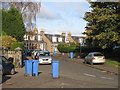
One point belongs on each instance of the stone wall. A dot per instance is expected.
(16, 56)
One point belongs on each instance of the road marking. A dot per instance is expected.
(95, 76)
(103, 71)
(106, 78)
(89, 75)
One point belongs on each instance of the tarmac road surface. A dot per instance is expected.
(72, 75)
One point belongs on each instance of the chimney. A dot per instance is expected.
(42, 31)
(35, 31)
(63, 34)
(69, 34)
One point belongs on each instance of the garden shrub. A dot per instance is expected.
(66, 47)
(17, 44)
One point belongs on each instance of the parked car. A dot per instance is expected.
(94, 57)
(45, 57)
(28, 52)
(35, 54)
(116, 47)
(7, 66)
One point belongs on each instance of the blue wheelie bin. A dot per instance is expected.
(35, 67)
(54, 53)
(55, 69)
(71, 55)
(28, 67)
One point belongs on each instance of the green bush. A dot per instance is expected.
(17, 44)
(66, 47)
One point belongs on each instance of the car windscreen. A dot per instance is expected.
(98, 54)
(44, 54)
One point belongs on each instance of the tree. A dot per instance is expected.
(103, 23)
(7, 41)
(29, 12)
(12, 23)
(14, 45)
(4, 33)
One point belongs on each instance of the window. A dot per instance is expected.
(98, 54)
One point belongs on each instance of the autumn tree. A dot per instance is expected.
(103, 24)
(7, 41)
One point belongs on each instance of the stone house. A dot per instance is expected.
(43, 41)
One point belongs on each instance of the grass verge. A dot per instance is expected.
(112, 62)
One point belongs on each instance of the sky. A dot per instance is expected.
(57, 17)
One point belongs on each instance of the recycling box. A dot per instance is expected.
(71, 55)
(55, 69)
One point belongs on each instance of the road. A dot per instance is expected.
(91, 77)
(72, 75)
(82, 76)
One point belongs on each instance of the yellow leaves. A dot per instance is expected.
(7, 41)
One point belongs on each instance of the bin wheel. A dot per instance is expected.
(25, 75)
(33, 74)
(12, 71)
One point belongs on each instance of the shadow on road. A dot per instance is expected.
(5, 78)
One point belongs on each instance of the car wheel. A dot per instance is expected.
(12, 71)
(91, 63)
(85, 62)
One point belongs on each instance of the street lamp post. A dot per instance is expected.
(80, 41)
(80, 48)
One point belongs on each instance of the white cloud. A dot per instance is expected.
(46, 13)
(51, 20)
(72, 9)
(69, 5)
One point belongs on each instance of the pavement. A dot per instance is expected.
(103, 67)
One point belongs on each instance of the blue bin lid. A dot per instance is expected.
(30, 60)
(27, 61)
(35, 60)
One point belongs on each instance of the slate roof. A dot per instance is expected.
(49, 36)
